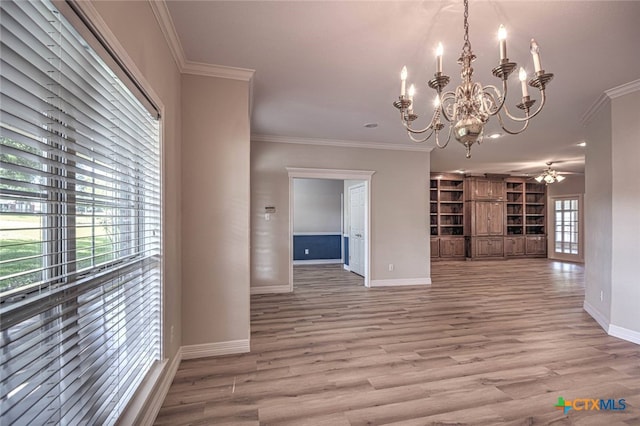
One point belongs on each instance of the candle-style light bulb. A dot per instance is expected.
(439, 52)
(436, 102)
(403, 81)
(502, 36)
(523, 81)
(535, 52)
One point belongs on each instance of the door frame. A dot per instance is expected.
(551, 240)
(335, 174)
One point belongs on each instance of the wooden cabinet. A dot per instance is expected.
(485, 189)
(435, 247)
(484, 247)
(488, 217)
(536, 245)
(514, 246)
(452, 247)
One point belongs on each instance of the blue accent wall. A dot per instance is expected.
(320, 247)
(346, 250)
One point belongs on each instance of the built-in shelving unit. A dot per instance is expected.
(535, 209)
(447, 215)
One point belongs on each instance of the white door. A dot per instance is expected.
(356, 229)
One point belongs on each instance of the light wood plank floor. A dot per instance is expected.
(488, 343)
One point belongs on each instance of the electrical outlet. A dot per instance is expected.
(171, 337)
(391, 267)
(306, 251)
(601, 295)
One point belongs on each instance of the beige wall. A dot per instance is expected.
(598, 244)
(399, 211)
(625, 302)
(215, 210)
(136, 28)
(612, 206)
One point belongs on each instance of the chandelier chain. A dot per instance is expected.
(466, 48)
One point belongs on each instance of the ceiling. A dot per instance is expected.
(326, 68)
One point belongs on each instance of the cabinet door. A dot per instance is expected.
(481, 189)
(489, 247)
(487, 189)
(482, 214)
(496, 219)
(513, 246)
(496, 189)
(536, 245)
(451, 247)
(489, 218)
(435, 247)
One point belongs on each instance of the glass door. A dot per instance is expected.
(567, 238)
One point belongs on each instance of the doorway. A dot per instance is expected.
(567, 225)
(364, 176)
(355, 231)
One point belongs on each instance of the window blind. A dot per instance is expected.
(80, 227)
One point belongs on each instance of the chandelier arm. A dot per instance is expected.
(511, 132)
(407, 126)
(496, 95)
(410, 133)
(446, 142)
(543, 100)
(446, 97)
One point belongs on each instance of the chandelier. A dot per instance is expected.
(468, 108)
(549, 176)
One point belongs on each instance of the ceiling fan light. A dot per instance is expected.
(548, 179)
(559, 178)
(539, 178)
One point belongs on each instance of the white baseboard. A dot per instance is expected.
(267, 289)
(611, 329)
(596, 315)
(400, 282)
(625, 334)
(153, 408)
(316, 261)
(346, 267)
(215, 349)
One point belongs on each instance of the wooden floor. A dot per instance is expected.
(489, 343)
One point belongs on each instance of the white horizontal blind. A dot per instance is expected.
(80, 227)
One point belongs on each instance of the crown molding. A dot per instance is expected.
(210, 70)
(623, 89)
(604, 98)
(340, 143)
(591, 112)
(163, 17)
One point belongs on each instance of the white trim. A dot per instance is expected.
(269, 289)
(161, 12)
(215, 349)
(340, 143)
(297, 234)
(623, 89)
(596, 315)
(317, 261)
(624, 334)
(155, 403)
(220, 71)
(591, 112)
(400, 282)
(346, 267)
(365, 175)
(308, 173)
(604, 98)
